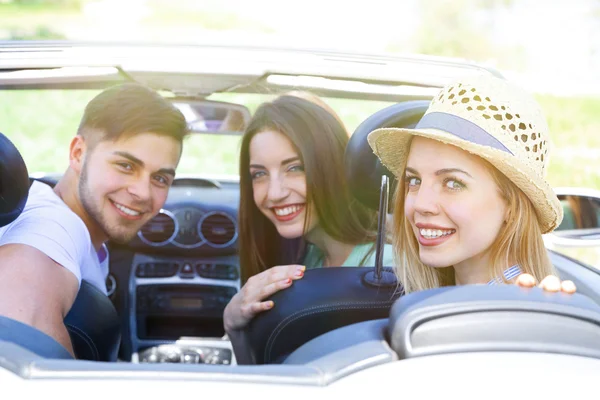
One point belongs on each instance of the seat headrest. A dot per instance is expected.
(324, 300)
(363, 168)
(14, 182)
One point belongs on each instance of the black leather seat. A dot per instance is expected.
(330, 298)
(92, 322)
(93, 325)
(323, 300)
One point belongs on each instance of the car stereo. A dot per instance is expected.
(171, 311)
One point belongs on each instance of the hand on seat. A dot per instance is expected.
(550, 283)
(249, 300)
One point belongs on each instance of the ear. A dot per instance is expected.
(77, 152)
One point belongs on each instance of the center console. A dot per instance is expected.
(177, 308)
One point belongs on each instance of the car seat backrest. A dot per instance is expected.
(14, 182)
(93, 325)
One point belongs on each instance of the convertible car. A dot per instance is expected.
(338, 331)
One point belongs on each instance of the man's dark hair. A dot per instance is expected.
(130, 109)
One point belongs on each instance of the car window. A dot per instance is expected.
(42, 122)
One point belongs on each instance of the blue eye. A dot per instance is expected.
(257, 174)
(454, 184)
(412, 181)
(296, 168)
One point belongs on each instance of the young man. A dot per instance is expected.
(121, 164)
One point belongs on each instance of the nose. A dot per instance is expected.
(426, 200)
(140, 189)
(278, 189)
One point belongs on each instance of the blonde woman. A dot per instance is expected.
(472, 202)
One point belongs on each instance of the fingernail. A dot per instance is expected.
(287, 281)
(270, 304)
(302, 268)
(299, 274)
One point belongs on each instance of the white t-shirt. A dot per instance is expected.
(50, 226)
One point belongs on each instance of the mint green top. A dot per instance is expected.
(314, 256)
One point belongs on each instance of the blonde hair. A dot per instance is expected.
(519, 241)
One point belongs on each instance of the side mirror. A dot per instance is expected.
(580, 226)
(213, 117)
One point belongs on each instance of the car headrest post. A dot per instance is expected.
(383, 207)
(381, 277)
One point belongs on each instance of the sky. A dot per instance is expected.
(559, 38)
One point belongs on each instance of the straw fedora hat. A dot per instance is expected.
(490, 118)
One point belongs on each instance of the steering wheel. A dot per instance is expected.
(330, 298)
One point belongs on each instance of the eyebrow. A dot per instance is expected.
(442, 171)
(135, 160)
(284, 162)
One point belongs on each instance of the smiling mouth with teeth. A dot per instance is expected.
(435, 233)
(127, 210)
(289, 210)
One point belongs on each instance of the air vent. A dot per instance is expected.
(160, 230)
(217, 229)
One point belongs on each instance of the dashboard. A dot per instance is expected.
(172, 282)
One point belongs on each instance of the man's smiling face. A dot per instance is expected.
(124, 183)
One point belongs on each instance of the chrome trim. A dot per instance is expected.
(184, 342)
(552, 241)
(170, 239)
(577, 191)
(113, 282)
(196, 280)
(209, 243)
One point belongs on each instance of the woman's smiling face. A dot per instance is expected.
(452, 203)
(279, 183)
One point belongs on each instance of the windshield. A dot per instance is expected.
(43, 122)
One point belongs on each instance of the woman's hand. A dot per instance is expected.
(249, 300)
(550, 283)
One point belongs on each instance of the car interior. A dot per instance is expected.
(169, 291)
(169, 286)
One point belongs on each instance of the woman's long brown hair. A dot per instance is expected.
(321, 141)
